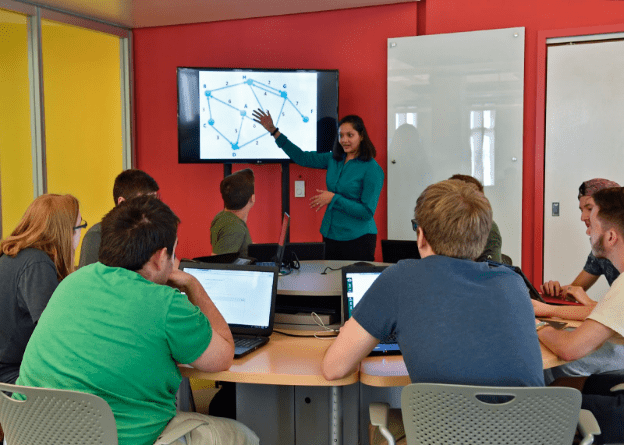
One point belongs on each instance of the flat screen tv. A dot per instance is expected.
(215, 104)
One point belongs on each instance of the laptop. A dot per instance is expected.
(393, 251)
(355, 282)
(533, 293)
(292, 251)
(233, 258)
(279, 254)
(245, 296)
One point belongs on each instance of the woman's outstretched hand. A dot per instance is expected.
(264, 119)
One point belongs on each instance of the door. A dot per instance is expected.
(584, 140)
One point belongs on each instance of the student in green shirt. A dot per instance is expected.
(354, 181)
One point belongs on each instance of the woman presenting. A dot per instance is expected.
(354, 182)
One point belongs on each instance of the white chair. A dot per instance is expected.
(54, 416)
(458, 414)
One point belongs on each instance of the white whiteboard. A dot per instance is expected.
(584, 140)
(455, 105)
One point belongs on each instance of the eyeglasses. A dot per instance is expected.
(414, 225)
(83, 225)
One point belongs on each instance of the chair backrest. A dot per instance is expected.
(392, 251)
(54, 416)
(457, 414)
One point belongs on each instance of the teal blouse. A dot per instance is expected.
(357, 185)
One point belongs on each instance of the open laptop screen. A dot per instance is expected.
(243, 296)
(356, 281)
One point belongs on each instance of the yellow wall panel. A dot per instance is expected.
(16, 184)
(81, 75)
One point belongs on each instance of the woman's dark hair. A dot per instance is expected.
(367, 149)
(134, 230)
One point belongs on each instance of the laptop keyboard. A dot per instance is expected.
(244, 342)
(390, 340)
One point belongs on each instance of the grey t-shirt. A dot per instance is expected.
(456, 321)
(90, 247)
(601, 266)
(28, 281)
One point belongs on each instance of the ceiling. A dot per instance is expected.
(147, 13)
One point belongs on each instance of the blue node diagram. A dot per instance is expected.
(228, 123)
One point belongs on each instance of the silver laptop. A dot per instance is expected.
(355, 282)
(245, 296)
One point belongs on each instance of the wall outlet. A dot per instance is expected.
(299, 189)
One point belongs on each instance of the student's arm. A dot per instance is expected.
(554, 289)
(350, 347)
(565, 311)
(572, 345)
(220, 352)
(35, 287)
(585, 280)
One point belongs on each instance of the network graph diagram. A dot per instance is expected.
(227, 128)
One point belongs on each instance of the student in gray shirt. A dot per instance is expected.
(128, 184)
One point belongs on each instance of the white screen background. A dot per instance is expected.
(243, 297)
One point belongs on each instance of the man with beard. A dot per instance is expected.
(603, 321)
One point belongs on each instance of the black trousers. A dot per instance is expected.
(359, 249)
(607, 406)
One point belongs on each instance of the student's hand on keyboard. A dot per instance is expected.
(552, 289)
(579, 294)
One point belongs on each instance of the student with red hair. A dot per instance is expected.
(37, 255)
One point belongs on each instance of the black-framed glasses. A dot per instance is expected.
(83, 225)
(414, 225)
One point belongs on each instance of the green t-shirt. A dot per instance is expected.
(229, 234)
(110, 332)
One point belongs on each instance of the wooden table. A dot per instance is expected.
(287, 361)
(283, 361)
(296, 361)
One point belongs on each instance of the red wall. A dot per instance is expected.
(352, 41)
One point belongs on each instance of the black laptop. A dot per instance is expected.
(355, 282)
(245, 296)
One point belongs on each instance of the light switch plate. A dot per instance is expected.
(299, 189)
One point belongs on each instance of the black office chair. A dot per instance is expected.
(394, 250)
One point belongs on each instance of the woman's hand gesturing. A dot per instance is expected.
(264, 119)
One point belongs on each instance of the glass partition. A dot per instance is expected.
(16, 184)
(455, 105)
(83, 114)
